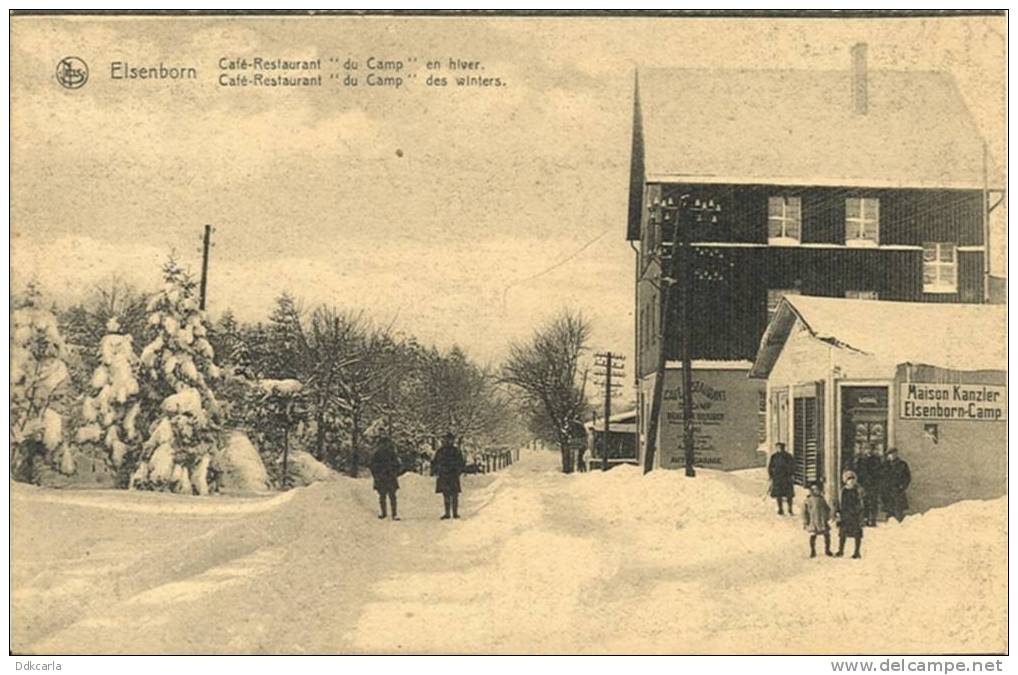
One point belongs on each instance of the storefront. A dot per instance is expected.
(847, 376)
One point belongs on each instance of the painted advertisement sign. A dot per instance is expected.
(725, 413)
(960, 402)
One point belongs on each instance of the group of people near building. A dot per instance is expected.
(447, 465)
(870, 483)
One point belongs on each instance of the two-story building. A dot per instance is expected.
(853, 184)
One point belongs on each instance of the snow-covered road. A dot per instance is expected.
(541, 562)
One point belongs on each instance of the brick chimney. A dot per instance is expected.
(860, 86)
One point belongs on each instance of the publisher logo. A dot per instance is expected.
(72, 72)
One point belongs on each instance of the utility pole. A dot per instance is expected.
(610, 362)
(206, 244)
(682, 214)
(686, 289)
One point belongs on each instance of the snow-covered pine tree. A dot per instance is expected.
(111, 412)
(177, 398)
(39, 380)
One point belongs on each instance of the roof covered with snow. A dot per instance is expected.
(623, 422)
(951, 336)
(800, 127)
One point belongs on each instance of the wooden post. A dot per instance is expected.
(206, 244)
(668, 215)
(286, 453)
(986, 223)
(607, 409)
(686, 289)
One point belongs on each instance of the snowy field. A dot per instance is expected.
(541, 562)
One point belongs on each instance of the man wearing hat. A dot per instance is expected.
(385, 470)
(447, 465)
(896, 479)
(781, 471)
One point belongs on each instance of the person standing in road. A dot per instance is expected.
(816, 514)
(869, 471)
(849, 514)
(780, 470)
(385, 470)
(447, 465)
(896, 478)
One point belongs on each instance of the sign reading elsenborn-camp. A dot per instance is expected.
(964, 402)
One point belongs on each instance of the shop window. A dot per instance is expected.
(862, 295)
(940, 268)
(784, 221)
(862, 221)
(774, 296)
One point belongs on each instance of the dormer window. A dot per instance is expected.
(784, 221)
(862, 221)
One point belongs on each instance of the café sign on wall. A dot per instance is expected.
(959, 402)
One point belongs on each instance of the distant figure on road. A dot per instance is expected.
(780, 470)
(816, 514)
(448, 464)
(849, 514)
(895, 480)
(385, 469)
(869, 472)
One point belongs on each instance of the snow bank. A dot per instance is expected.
(305, 469)
(241, 465)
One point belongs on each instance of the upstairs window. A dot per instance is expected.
(940, 268)
(784, 221)
(862, 221)
(861, 295)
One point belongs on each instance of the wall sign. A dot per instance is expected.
(964, 402)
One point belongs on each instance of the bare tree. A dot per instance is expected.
(545, 373)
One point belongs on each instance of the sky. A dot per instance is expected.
(462, 215)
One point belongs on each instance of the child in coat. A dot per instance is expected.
(815, 516)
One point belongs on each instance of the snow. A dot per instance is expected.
(242, 468)
(893, 333)
(52, 428)
(288, 386)
(185, 402)
(305, 469)
(600, 562)
(160, 464)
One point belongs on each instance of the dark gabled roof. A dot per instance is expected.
(799, 127)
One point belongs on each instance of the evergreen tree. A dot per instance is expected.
(110, 414)
(179, 405)
(39, 385)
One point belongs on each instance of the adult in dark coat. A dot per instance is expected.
(447, 465)
(781, 471)
(849, 514)
(896, 479)
(869, 469)
(385, 470)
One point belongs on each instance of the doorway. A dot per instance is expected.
(863, 422)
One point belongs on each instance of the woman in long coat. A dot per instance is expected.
(447, 465)
(849, 515)
(385, 470)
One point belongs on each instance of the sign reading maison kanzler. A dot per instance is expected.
(976, 402)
